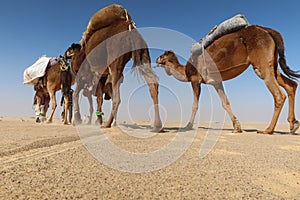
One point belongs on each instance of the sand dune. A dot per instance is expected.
(48, 161)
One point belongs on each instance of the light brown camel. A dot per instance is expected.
(109, 48)
(57, 77)
(229, 56)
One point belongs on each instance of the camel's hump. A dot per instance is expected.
(104, 17)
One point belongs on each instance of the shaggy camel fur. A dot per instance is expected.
(229, 56)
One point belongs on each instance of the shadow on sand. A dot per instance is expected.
(249, 131)
(182, 129)
(164, 130)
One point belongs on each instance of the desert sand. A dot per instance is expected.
(51, 161)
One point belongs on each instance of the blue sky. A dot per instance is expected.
(32, 28)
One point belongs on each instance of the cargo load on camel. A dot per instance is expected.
(231, 25)
(104, 17)
(33, 73)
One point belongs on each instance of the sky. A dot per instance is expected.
(33, 28)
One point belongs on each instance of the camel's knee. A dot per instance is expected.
(226, 105)
(116, 101)
(195, 107)
(279, 100)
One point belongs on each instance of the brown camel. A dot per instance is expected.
(84, 82)
(57, 77)
(107, 49)
(229, 56)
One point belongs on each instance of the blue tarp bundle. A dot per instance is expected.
(231, 25)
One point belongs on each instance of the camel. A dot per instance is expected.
(229, 56)
(107, 49)
(57, 77)
(83, 81)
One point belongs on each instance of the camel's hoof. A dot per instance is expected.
(237, 131)
(157, 130)
(265, 132)
(77, 122)
(237, 127)
(188, 127)
(106, 126)
(37, 120)
(49, 121)
(98, 123)
(295, 128)
(157, 127)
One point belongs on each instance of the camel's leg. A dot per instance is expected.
(226, 105)
(66, 108)
(70, 113)
(278, 95)
(153, 88)
(117, 79)
(90, 99)
(54, 105)
(196, 90)
(45, 108)
(38, 109)
(108, 90)
(290, 87)
(47, 101)
(99, 107)
(77, 116)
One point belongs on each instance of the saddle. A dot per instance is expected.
(228, 26)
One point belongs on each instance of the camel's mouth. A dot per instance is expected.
(158, 65)
(162, 65)
(159, 61)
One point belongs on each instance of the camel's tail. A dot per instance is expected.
(282, 61)
(141, 57)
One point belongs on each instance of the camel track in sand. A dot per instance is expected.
(24, 157)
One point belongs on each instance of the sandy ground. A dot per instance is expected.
(50, 161)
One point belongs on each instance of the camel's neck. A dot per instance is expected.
(177, 70)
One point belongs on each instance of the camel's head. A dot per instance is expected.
(167, 57)
(72, 50)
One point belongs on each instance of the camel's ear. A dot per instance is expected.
(75, 46)
(169, 51)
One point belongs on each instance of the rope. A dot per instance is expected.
(203, 52)
(131, 23)
(63, 66)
